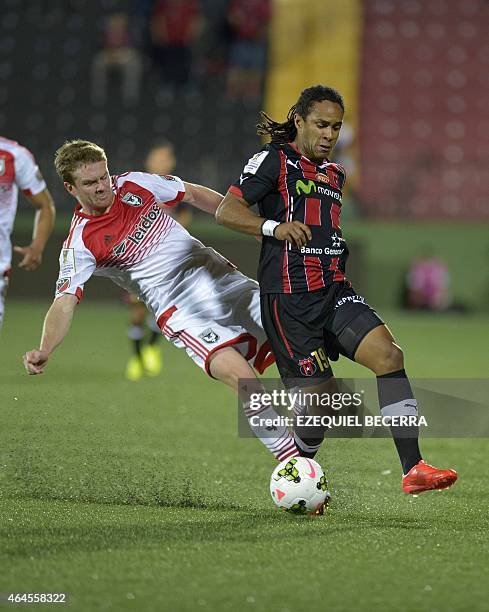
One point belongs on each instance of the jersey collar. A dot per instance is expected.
(79, 211)
(324, 163)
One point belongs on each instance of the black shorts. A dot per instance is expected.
(304, 328)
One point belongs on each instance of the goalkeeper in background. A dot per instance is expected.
(143, 331)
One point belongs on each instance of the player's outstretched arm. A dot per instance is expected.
(56, 325)
(234, 212)
(202, 197)
(43, 226)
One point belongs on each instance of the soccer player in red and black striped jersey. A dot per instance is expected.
(309, 309)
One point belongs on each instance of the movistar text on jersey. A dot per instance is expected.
(329, 192)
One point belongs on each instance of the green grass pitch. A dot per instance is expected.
(140, 496)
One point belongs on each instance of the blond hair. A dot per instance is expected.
(76, 153)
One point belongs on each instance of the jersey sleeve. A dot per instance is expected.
(260, 176)
(76, 266)
(27, 174)
(168, 190)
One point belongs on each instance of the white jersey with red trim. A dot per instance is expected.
(137, 244)
(199, 299)
(18, 170)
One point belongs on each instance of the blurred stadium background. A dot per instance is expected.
(414, 75)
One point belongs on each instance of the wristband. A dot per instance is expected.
(268, 227)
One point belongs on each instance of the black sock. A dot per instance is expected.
(396, 398)
(137, 347)
(306, 447)
(154, 337)
(136, 335)
(307, 440)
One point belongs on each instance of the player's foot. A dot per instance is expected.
(323, 507)
(424, 477)
(151, 358)
(134, 369)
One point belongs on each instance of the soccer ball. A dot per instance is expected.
(299, 485)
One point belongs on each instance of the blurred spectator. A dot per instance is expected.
(161, 159)
(117, 53)
(146, 356)
(174, 27)
(428, 284)
(344, 149)
(214, 40)
(248, 22)
(345, 154)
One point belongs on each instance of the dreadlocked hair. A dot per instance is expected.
(286, 132)
(278, 132)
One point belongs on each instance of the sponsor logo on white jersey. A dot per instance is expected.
(132, 199)
(145, 223)
(120, 249)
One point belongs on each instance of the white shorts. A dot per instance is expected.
(227, 316)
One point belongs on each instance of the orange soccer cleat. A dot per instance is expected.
(424, 477)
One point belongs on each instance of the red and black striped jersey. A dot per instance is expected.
(289, 187)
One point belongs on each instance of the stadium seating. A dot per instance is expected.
(46, 51)
(424, 132)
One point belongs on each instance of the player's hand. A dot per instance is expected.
(32, 257)
(35, 361)
(296, 233)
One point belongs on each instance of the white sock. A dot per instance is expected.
(280, 441)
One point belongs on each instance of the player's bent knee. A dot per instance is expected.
(391, 359)
(229, 366)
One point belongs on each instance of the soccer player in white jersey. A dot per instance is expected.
(201, 302)
(19, 171)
